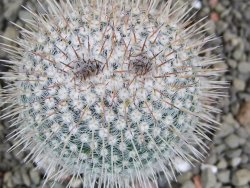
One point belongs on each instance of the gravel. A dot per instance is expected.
(235, 161)
(224, 176)
(184, 177)
(11, 9)
(35, 176)
(228, 162)
(26, 177)
(239, 84)
(244, 67)
(222, 164)
(232, 141)
(208, 178)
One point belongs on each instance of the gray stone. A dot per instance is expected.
(11, 10)
(7, 176)
(232, 63)
(242, 133)
(247, 13)
(245, 166)
(188, 184)
(7, 179)
(238, 54)
(26, 178)
(208, 178)
(228, 126)
(222, 164)
(212, 159)
(35, 176)
(237, 42)
(217, 141)
(221, 26)
(244, 159)
(225, 130)
(244, 67)
(244, 96)
(219, 8)
(228, 36)
(235, 161)
(218, 185)
(224, 176)
(184, 177)
(219, 148)
(233, 153)
(226, 3)
(232, 141)
(246, 148)
(237, 14)
(17, 178)
(239, 85)
(235, 108)
(241, 177)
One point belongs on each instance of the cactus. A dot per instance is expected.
(111, 91)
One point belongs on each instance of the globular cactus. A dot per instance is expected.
(111, 91)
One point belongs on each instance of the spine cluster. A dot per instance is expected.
(111, 90)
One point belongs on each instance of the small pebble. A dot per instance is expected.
(188, 184)
(35, 176)
(17, 177)
(244, 159)
(11, 10)
(222, 164)
(239, 85)
(232, 141)
(244, 67)
(224, 176)
(184, 177)
(7, 179)
(235, 161)
(241, 177)
(208, 178)
(25, 177)
(233, 153)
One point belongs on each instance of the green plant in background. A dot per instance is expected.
(111, 90)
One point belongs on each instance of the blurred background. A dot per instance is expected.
(228, 162)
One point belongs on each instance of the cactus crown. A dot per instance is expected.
(113, 90)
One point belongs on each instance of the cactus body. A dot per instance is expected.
(113, 90)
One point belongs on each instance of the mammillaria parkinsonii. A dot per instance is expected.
(111, 90)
